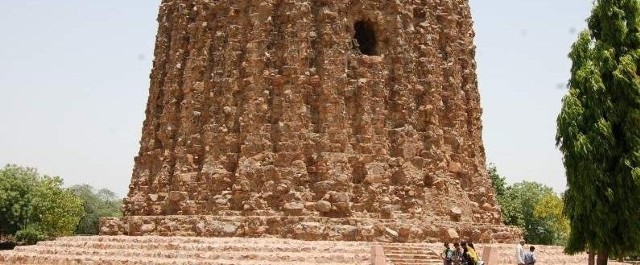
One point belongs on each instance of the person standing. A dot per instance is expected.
(466, 257)
(530, 257)
(520, 253)
(473, 254)
(457, 256)
(447, 255)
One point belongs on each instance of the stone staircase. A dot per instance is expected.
(187, 250)
(152, 250)
(411, 254)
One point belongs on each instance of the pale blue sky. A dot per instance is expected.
(74, 78)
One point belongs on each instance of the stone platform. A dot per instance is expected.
(309, 228)
(184, 250)
(156, 250)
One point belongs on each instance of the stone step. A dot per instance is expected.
(429, 247)
(408, 251)
(411, 255)
(204, 240)
(184, 250)
(407, 247)
(416, 262)
(418, 251)
(299, 256)
(412, 244)
(52, 259)
(217, 246)
(152, 250)
(408, 259)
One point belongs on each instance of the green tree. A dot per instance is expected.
(498, 182)
(36, 205)
(599, 136)
(58, 210)
(16, 184)
(97, 204)
(518, 205)
(549, 212)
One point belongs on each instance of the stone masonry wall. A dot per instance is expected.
(269, 108)
(309, 228)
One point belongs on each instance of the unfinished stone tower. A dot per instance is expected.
(313, 119)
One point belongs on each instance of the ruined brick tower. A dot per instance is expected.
(313, 119)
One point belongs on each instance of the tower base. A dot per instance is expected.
(310, 228)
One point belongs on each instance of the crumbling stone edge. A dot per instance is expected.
(310, 228)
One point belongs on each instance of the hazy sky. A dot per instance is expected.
(74, 78)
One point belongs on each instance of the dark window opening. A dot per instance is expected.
(365, 38)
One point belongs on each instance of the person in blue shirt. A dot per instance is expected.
(530, 257)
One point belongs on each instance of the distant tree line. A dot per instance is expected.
(97, 204)
(34, 207)
(533, 207)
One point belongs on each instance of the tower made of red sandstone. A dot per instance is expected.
(313, 119)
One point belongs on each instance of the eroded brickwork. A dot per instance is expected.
(270, 108)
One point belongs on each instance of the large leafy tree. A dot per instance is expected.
(518, 205)
(31, 203)
(16, 185)
(599, 133)
(533, 207)
(548, 212)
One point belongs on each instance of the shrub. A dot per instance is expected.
(29, 236)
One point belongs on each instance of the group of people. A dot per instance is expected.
(462, 253)
(525, 258)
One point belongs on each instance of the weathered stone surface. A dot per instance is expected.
(390, 233)
(308, 228)
(323, 206)
(452, 235)
(147, 228)
(336, 109)
(293, 208)
(456, 213)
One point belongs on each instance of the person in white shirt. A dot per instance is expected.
(520, 253)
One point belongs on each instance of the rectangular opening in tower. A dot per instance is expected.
(365, 38)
